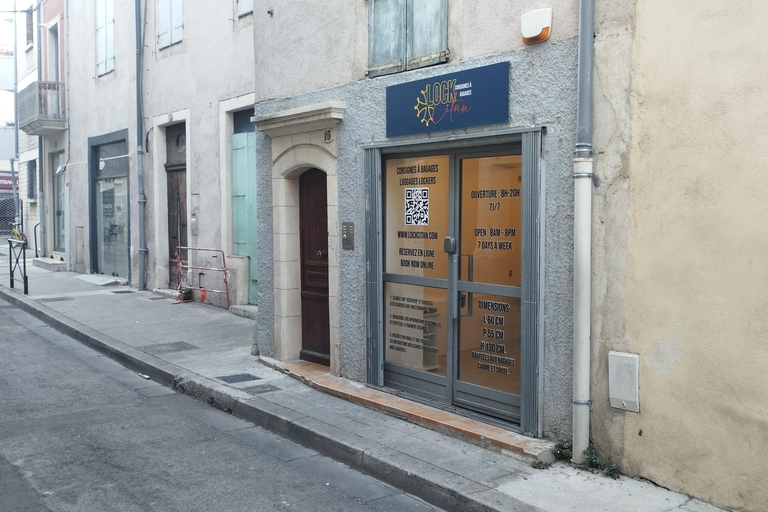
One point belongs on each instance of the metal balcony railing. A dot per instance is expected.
(42, 109)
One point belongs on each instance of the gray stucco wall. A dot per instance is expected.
(543, 92)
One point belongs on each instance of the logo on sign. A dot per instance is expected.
(442, 99)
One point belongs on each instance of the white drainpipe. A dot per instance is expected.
(582, 234)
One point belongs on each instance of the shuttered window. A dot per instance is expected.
(244, 7)
(105, 37)
(32, 179)
(170, 22)
(406, 34)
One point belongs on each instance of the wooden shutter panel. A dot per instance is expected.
(386, 36)
(244, 7)
(177, 21)
(427, 32)
(101, 37)
(109, 36)
(163, 23)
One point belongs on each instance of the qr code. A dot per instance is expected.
(417, 207)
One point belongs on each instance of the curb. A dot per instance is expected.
(435, 485)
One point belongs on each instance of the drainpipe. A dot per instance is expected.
(41, 167)
(15, 113)
(582, 233)
(140, 153)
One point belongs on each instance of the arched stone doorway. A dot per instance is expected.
(302, 140)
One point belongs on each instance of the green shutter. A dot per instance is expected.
(386, 36)
(244, 203)
(427, 40)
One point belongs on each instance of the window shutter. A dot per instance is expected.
(177, 21)
(427, 32)
(101, 35)
(109, 36)
(163, 23)
(386, 36)
(244, 7)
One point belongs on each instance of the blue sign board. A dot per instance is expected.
(474, 97)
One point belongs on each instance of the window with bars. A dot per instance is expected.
(406, 34)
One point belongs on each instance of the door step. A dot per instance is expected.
(318, 377)
(49, 264)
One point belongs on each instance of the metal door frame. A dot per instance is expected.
(93, 178)
(433, 387)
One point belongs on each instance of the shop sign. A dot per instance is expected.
(475, 97)
(6, 183)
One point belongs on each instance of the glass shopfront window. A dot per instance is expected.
(417, 216)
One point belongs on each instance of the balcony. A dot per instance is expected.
(42, 109)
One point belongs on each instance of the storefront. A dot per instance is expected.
(432, 194)
(453, 250)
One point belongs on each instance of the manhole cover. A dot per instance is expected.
(264, 388)
(54, 299)
(166, 348)
(123, 291)
(239, 377)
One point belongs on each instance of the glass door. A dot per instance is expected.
(59, 213)
(417, 324)
(460, 283)
(489, 285)
(112, 226)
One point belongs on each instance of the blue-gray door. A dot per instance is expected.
(244, 203)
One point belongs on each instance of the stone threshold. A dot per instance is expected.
(319, 377)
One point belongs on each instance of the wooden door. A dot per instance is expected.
(177, 218)
(313, 226)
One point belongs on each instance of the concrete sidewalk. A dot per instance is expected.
(204, 352)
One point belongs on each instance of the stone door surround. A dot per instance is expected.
(302, 139)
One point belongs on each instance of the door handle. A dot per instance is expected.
(321, 253)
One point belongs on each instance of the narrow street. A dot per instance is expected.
(78, 432)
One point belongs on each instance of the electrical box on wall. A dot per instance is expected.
(623, 384)
(348, 236)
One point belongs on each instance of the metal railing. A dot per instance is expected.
(181, 266)
(41, 102)
(17, 250)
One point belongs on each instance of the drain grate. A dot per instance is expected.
(239, 377)
(264, 388)
(159, 298)
(54, 299)
(123, 291)
(166, 348)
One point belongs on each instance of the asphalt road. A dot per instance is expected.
(78, 432)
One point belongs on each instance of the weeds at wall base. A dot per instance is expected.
(563, 450)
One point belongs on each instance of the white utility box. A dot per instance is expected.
(623, 385)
